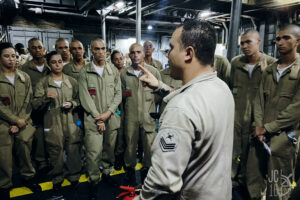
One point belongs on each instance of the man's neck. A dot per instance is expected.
(79, 62)
(254, 59)
(288, 59)
(192, 72)
(136, 67)
(148, 59)
(100, 63)
(38, 61)
(66, 59)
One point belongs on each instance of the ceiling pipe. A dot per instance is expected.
(111, 18)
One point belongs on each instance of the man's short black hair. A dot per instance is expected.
(5, 45)
(20, 48)
(49, 55)
(202, 37)
(113, 54)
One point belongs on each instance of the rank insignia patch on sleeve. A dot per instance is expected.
(169, 140)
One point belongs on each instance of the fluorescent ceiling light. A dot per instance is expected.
(205, 13)
(120, 4)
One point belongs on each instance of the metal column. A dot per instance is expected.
(236, 7)
(262, 30)
(103, 27)
(138, 20)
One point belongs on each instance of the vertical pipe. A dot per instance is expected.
(103, 28)
(138, 20)
(262, 30)
(236, 7)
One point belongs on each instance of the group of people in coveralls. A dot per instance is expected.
(226, 130)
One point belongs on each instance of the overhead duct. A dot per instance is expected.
(110, 18)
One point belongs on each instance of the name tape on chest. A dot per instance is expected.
(169, 140)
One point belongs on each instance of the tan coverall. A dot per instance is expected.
(98, 95)
(222, 66)
(35, 75)
(71, 70)
(156, 63)
(244, 91)
(14, 105)
(277, 109)
(191, 155)
(168, 80)
(139, 102)
(60, 129)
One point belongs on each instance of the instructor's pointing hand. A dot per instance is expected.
(148, 79)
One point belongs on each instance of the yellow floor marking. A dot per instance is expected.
(16, 192)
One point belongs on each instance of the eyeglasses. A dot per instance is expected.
(148, 46)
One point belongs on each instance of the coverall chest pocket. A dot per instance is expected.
(67, 90)
(148, 95)
(236, 91)
(109, 87)
(54, 101)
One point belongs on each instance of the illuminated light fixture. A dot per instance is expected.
(120, 4)
(205, 13)
(150, 27)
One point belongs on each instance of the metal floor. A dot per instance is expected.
(105, 190)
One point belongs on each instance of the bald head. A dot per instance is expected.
(97, 40)
(292, 29)
(135, 45)
(250, 41)
(148, 48)
(254, 33)
(77, 50)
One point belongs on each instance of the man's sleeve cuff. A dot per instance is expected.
(272, 127)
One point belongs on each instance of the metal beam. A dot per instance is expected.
(236, 8)
(262, 30)
(103, 28)
(138, 21)
(165, 7)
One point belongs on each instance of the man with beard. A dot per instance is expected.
(72, 68)
(62, 47)
(191, 155)
(37, 68)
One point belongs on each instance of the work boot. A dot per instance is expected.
(4, 193)
(119, 163)
(57, 186)
(32, 185)
(93, 190)
(144, 172)
(106, 178)
(74, 184)
(130, 176)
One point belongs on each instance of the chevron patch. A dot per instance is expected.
(169, 140)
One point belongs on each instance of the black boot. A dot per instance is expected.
(106, 178)
(130, 176)
(144, 172)
(119, 163)
(32, 185)
(93, 190)
(4, 193)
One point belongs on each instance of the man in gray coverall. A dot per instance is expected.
(191, 155)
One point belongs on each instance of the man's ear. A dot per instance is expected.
(189, 54)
